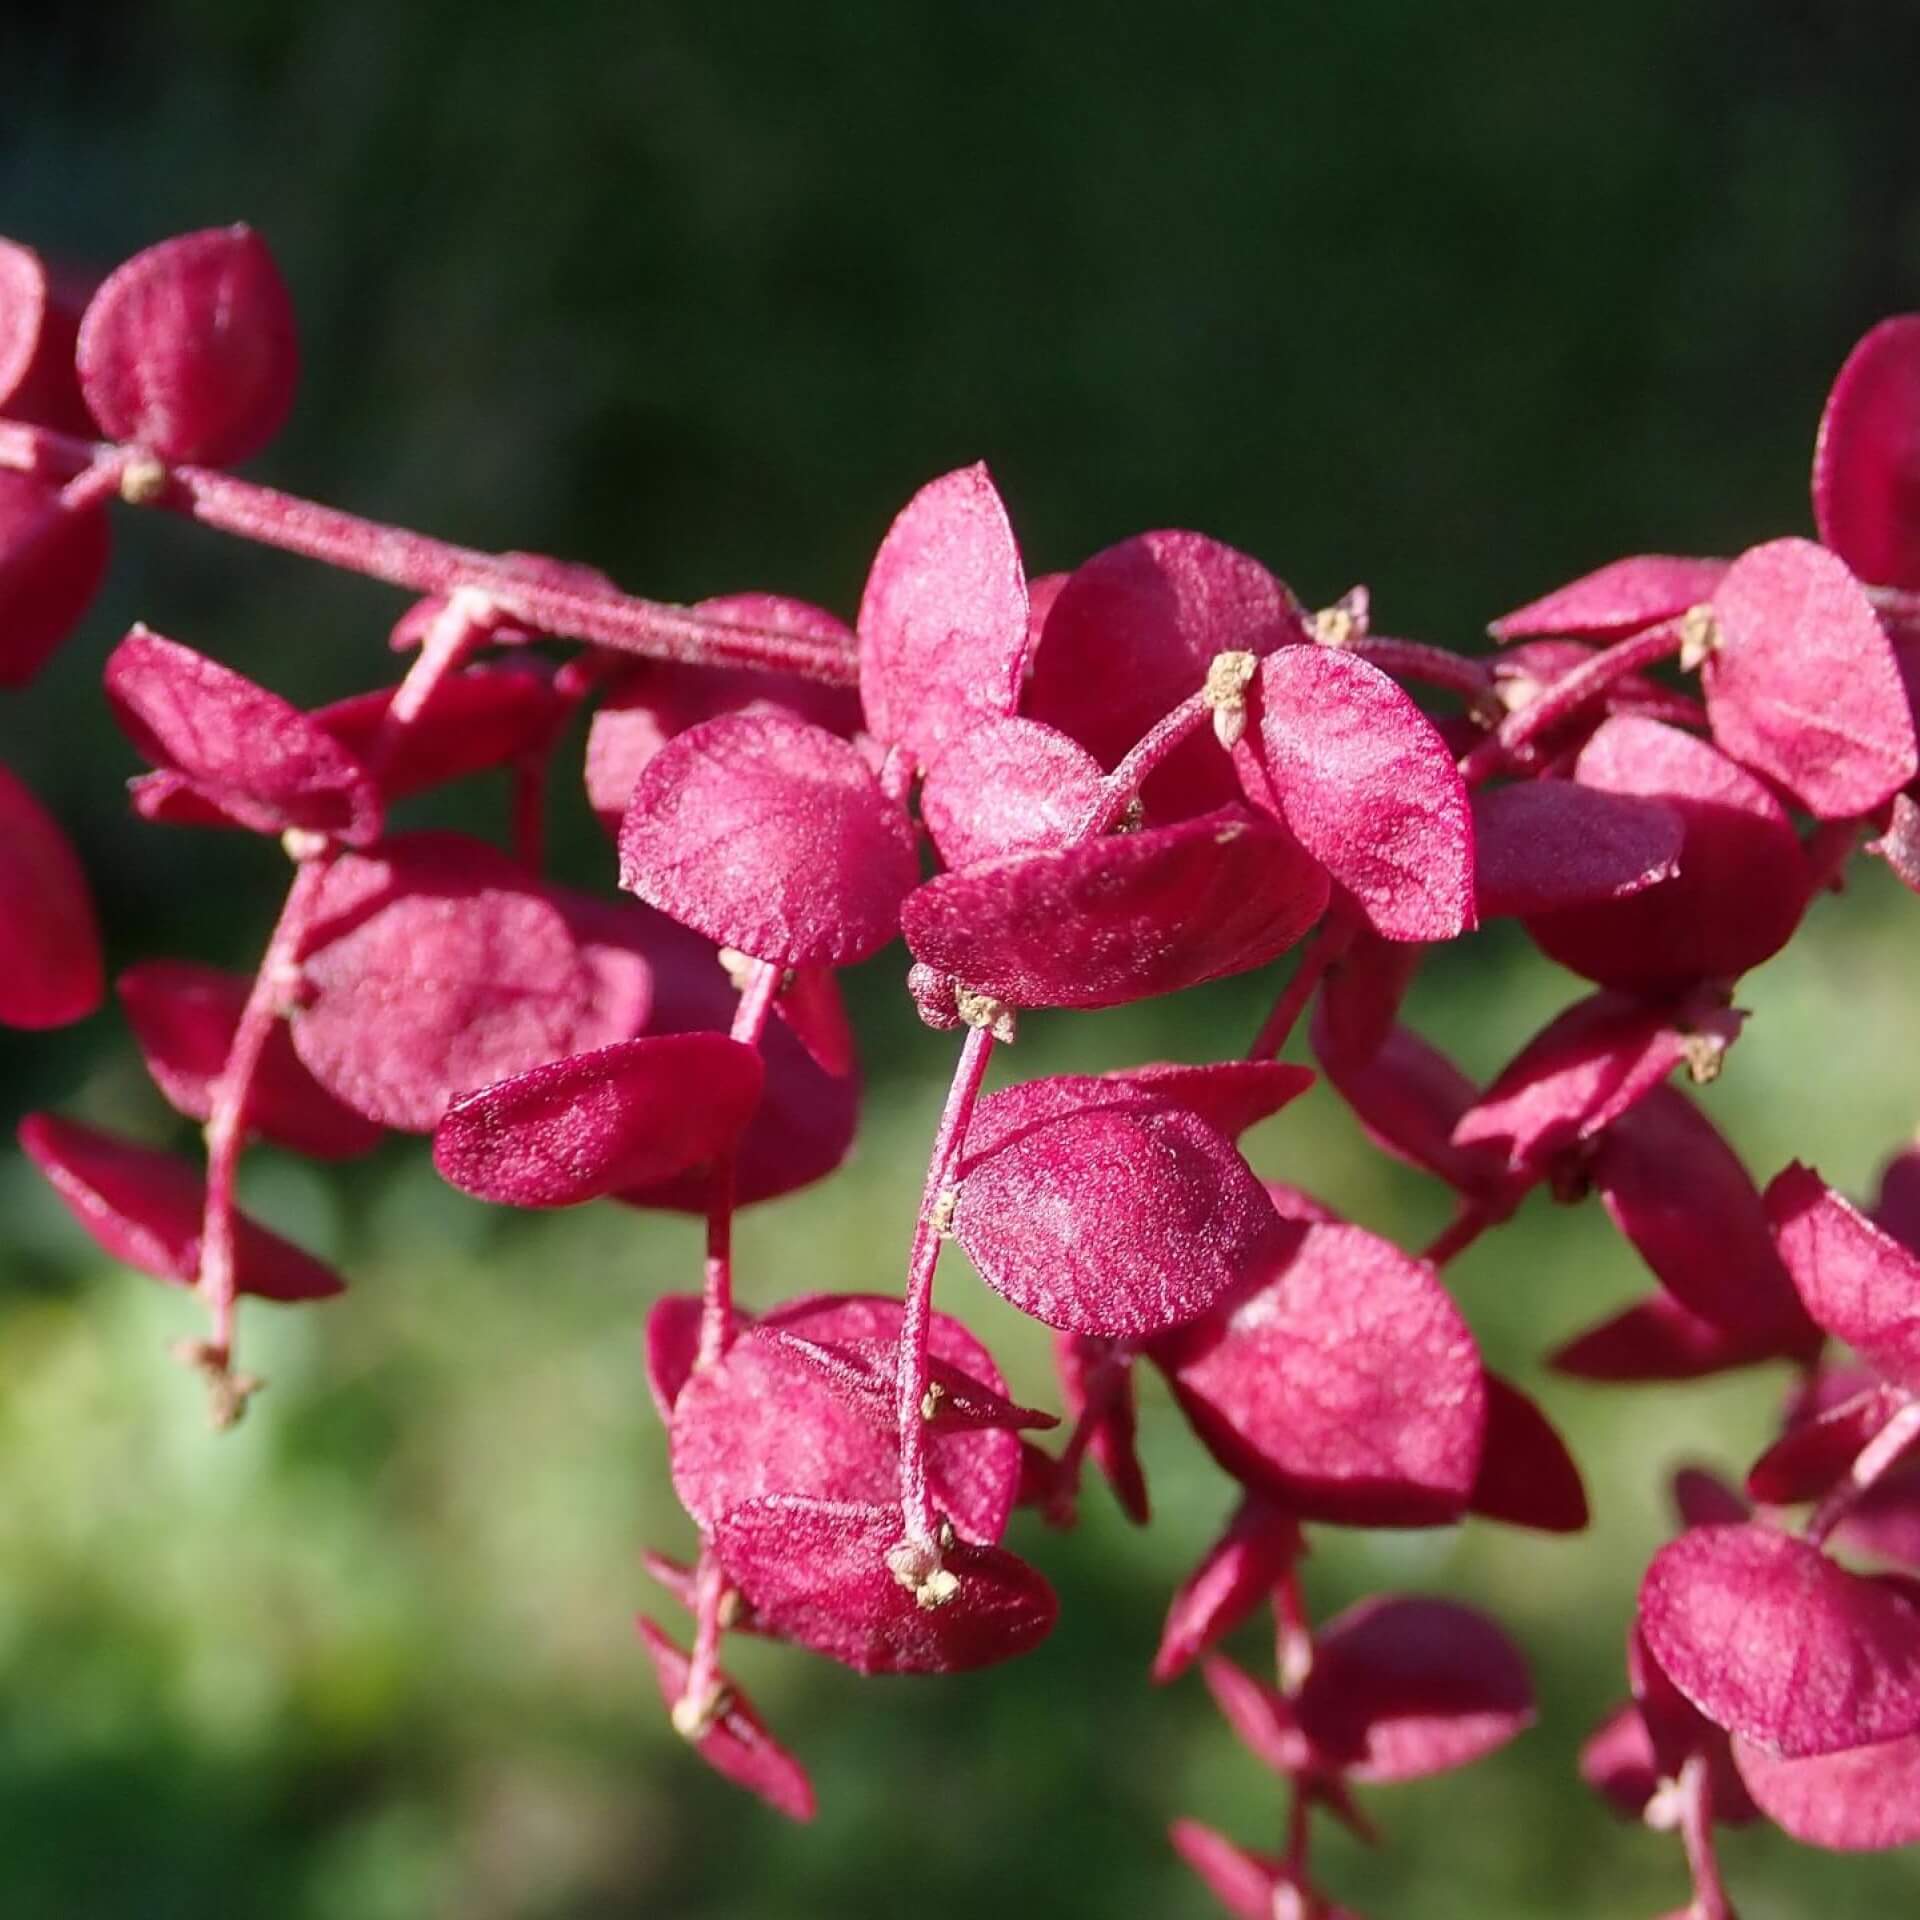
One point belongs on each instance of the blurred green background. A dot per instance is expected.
(1457, 300)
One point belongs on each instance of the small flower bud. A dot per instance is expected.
(142, 480)
(693, 1719)
(930, 1400)
(983, 1010)
(1699, 636)
(1225, 691)
(916, 1565)
(941, 1218)
(302, 844)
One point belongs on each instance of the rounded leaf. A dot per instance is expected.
(1866, 460)
(52, 561)
(1007, 786)
(1615, 600)
(768, 834)
(1546, 844)
(1861, 1801)
(189, 349)
(50, 966)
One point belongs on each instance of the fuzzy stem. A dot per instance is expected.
(916, 1498)
(1567, 696)
(1119, 787)
(693, 1712)
(1329, 943)
(422, 564)
(95, 484)
(1696, 1833)
(227, 1127)
(1873, 1463)
(1441, 667)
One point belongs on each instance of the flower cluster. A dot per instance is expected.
(1073, 791)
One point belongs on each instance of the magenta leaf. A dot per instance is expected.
(1859, 1283)
(810, 1007)
(1616, 599)
(768, 834)
(1546, 844)
(435, 967)
(1347, 1385)
(1702, 1499)
(1365, 783)
(247, 752)
(1007, 786)
(1527, 1477)
(30, 336)
(1119, 1219)
(1813, 1455)
(184, 1015)
(1769, 1639)
(1524, 672)
(52, 560)
(736, 1745)
(672, 1343)
(189, 349)
(1404, 1687)
(818, 1573)
(1132, 635)
(1679, 1193)
(1743, 881)
(1260, 1715)
(1096, 1385)
(1120, 918)
(1866, 461)
(1240, 1570)
(1229, 1095)
(943, 620)
(1244, 1883)
(51, 971)
(1617, 1761)
(1659, 1339)
(622, 1116)
(1361, 995)
(1803, 685)
(1860, 1801)
(144, 1207)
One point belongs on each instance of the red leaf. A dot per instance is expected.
(1241, 1569)
(1120, 1219)
(1365, 783)
(1527, 1477)
(1347, 1385)
(1401, 1688)
(624, 1115)
(737, 1746)
(673, 1341)
(1096, 1385)
(1803, 685)
(436, 967)
(817, 1573)
(943, 620)
(1769, 1639)
(1617, 599)
(1132, 635)
(1813, 1455)
(1244, 1883)
(1261, 1715)
(50, 965)
(1743, 882)
(1007, 786)
(1546, 844)
(1618, 1762)
(1361, 996)
(1866, 461)
(189, 348)
(1120, 918)
(1860, 1801)
(1658, 1339)
(144, 1208)
(1229, 1095)
(260, 761)
(52, 560)
(184, 1015)
(770, 835)
(1859, 1283)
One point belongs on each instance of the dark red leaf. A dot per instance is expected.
(50, 966)
(144, 1208)
(1527, 1477)
(1618, 1762)
(52, 560)
(1261, 1715)
(1866, 461)
(189, 349)
(1813, 1455)
(38, 320)
(1659, 1339)
(1546, 844)
(1361, 995)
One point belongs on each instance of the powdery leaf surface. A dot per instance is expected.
(1860, 1801)
(1547, 844)
(621, 1116)
(1617, 599)
(1866, 461)
(768, 834)
(1122, 917)
(145, 1207)
(189, 349)
(1007, 786)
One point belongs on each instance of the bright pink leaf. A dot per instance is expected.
(52, 560)
(672, 1343)
(184, 1015)
(768, 834)
(817, 1573)
(1866, 461)
(1260, 1715)
(1347, 1385)
(144, 1207)
(1770, 1639)
(1546, 844)
(1860, 1801)
(1007, 786)
(1803, 685)
(1229, 1095)
(1616, 599)
(943, 620)
(50, 966)
(621, 1116)
(737, 1746)
(1244, 1883)
(1365, 783)
(1241, 1568)
(189, 349)
(1123, 917)
(1096, 1387)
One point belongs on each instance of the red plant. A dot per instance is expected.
(1158, 769)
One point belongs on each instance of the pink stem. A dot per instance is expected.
(1696, 1833)
(451, 638)
(1119, 787)
(703, 1670)
(1874, 1462)
(1293, 1632)
(422, 564)
(1466, 1227)
(1567, 696)
(232, 1094)
(1331, 941)
(916, 1498)
(94, 485)
(1427, 666)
